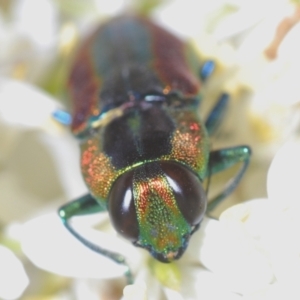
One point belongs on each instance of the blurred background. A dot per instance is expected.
(255, 45)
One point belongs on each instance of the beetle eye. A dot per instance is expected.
(188, 191)
(121, 207)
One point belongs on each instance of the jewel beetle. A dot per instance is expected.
(134, 91)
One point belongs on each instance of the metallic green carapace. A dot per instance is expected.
(156, 133)
(134, 96)
(127, 59)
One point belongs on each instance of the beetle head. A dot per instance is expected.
(157, 206)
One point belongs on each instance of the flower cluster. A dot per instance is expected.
(251, 252)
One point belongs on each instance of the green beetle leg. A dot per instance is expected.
(216, 115)
(223, 159)
(207, 69)
(83, 206)
(62, 117)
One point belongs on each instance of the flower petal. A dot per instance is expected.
(275, 291)
(50, 246)
(172, 294)
(250, 215)
(136, 291)
(210, 286)
(283, 176)
(64, 150)
(283, 243)
(153, 286)
(13, 277)
(39, 168)
(231, 254)
(199, 283)
(34, 108)
(41, 28)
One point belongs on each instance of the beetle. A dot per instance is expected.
(134, 91)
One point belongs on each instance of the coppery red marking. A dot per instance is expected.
(97, 170)
(147, 189)
(169, 61)
(143, 200)
(84, 88)
(195, 126)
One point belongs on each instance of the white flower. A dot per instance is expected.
(28, 39)
(272, 227)
(13, 278)
(217, 17)
(30, 139)
(268, 67)
(50, 246)
(25, 106)
(32, 43)
(136, 291)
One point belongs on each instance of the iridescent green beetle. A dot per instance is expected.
(135, 91)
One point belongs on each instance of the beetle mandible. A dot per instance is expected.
(135, 91)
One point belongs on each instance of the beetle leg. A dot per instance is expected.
(207, 69)
(83, 206)
(216, 115)
(222, 159)
(62, 116)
